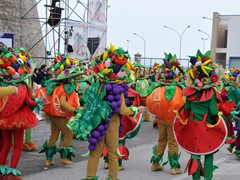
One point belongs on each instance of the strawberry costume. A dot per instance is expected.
(15, 115)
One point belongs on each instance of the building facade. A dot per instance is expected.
(225, 44)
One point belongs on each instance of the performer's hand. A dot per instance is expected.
(141, 109)
(30, 102)
(16, 89)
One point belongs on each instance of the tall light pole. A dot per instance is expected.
(207, 18)
(204, 39)
(144, 45)
(199, 30)
(128, 44)
(180, 36)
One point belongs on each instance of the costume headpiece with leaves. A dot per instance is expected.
(64, 67)
(113, 66)
(171, 71)
(203, 72)
(15, 66)
(231, 77)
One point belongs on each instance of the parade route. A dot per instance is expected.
(137, 168)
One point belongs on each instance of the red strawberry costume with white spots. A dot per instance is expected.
(14, 118)
(16, 113)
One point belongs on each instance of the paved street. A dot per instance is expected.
(137, 168)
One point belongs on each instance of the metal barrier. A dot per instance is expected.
(149, 62)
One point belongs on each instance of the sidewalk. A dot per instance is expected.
(138, 168)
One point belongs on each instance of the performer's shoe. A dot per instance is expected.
(26, 147)
(157, 167)
(66, 161)
(237, 156)
(33, 146)
(229, 149)
(120, 168)
(106, 165)
(175, 171)
(11, 177)
(49, 163)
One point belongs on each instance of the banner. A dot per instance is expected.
(101, 32)
(7, 39)
(78, 40)
(97, 12)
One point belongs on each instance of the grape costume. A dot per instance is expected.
(105, 102)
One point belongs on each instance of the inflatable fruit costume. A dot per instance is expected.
(166, 96)
(60, 103)
(105, 102)
(15, 114)
(198, 121)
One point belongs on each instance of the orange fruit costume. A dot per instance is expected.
(165, 97)
(60, 103)
(15, 114)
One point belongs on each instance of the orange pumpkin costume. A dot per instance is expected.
(162, 102)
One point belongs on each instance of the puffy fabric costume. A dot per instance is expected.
(15, 115)
(165, 97)
(103, 123)
(198, 121)
(60, 103)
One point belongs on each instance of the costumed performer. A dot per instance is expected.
(199, 129)
(164, 97)
(60, 103)
(15, 115)
(111, 68)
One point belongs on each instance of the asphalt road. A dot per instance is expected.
(137, 168)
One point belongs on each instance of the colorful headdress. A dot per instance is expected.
(113, 66)
(203, 71)
(171, 71)
(15, 66)
(231, 77)
(140, 71)
(64, 67)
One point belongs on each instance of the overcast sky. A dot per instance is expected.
(148, 17)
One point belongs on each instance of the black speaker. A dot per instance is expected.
(55, 16)
(93, 44)
(55, 13)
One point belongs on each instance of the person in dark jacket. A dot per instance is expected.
(42, 73)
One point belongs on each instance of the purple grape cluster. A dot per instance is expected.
(97, 134)
(113, 96)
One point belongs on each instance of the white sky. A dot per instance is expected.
(147, 18)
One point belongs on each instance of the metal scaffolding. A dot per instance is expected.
(69, 11)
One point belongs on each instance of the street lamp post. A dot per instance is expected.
(207, 18)
(204, 39)
(128, 44)
(144, 45)
(180, 36)
(199, 30)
